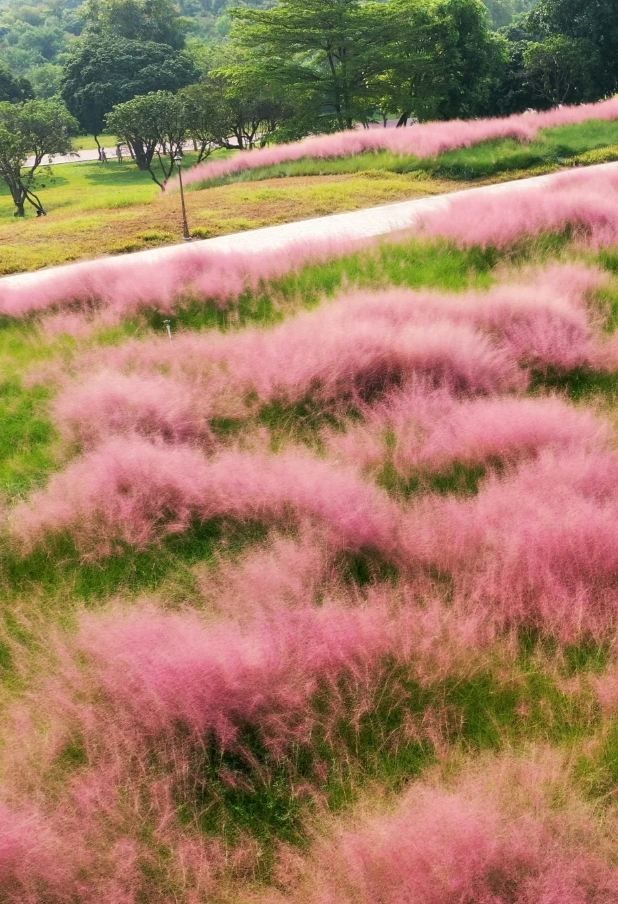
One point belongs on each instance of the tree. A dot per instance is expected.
(471, 60)
(12, 88)
(153, 124)
(250, 102)
(446, 60)
(560, 70)
(137, 20)
(594, 21)
(46, 80)
(105, 71)
(324, 51)
(207, 116)
(35, 127)
(503, 12)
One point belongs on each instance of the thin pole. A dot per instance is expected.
(185, 224)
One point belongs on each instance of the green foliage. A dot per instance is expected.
(502, 12)
(446, 62)
(149, 122)
(106, 70)
(348, 61)
(561, 69)
(595, 23)
(153, 21)
(35, 127)
(12, 88)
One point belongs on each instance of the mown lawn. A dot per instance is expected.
(96, 209)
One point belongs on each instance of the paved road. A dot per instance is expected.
(76, 157)
(358, 224)
(90, 155)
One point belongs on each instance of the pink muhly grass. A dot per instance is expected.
(583, 202)
(538, 546)
(285, 571)
(486, 430)
(114, 288)
(431, 432)
(132, 491)
(338, 350)
(111, 402)
(606, 689)
(159, 671)
(30, 857)
(470, 341)
(541, 321)
(475, 843)
(365, 358)
(425, 140)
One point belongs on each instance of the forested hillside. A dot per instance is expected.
(288, 68)
(34, 34)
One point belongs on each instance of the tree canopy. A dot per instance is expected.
(33, 129)
(106, 70)
(13, 88)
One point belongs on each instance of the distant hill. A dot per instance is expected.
(34, 34)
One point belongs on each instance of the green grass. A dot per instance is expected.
(96, 209)
(507, 705)
(87, 142)
(551, 149)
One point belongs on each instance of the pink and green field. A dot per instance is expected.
(314, 597)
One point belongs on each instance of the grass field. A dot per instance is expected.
(87, 142)
(95, 209)
(106, 209)
(308, 605)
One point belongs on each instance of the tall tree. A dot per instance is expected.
(38, 128)
(251, 103)
(324, 50)
(594, 21)
(106, 70)
(207, 116)
(560, 70)
(444, 61)
(13, 88)
(137, 20)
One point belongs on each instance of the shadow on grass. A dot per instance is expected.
(580, 384)
(269, 797)
(57, 568)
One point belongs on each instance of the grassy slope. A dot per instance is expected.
(591, 141)
(113, 209)
(95, 209)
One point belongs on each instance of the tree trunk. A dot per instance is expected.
(20, 210)
(141, 156)
(99, 148)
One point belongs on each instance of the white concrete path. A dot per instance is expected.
(367, 223)
(88, 155)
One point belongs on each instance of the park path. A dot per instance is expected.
(88, 155)
(369, 222)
